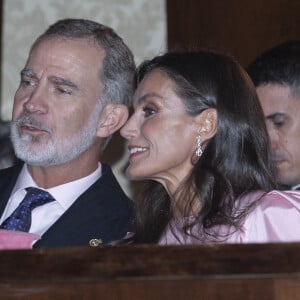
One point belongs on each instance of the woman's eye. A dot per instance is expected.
(148, 111)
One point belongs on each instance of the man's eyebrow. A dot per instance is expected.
(275, 115)
(142, 99)
(55, 79)
(29, 73)
(63, 81)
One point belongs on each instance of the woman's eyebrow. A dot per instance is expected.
(143, 98)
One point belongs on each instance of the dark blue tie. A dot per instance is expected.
(20, 219)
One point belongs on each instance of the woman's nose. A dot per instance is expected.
(129, 130)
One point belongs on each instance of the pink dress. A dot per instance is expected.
(276, 218)
(16, 239)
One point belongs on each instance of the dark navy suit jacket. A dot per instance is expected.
(102, 212)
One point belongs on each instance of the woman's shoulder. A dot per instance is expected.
(292, 197)
(269, 217)
(273, 199)
(275, 216)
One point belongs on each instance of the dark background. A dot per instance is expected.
(238, 27)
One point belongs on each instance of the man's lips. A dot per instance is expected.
(277, 158)
(30, 129)
(278, 162)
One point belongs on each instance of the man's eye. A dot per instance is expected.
(279, 120)
(27, 82)
(148, 111)
(278, 124)
(63, 91)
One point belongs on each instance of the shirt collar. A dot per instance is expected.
(66, 193)
(295, 187)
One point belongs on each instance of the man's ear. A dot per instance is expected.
(207, 124)
(112, 118)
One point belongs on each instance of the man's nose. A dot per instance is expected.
(274, 138)
(35, 103)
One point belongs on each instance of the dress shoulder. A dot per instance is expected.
(274, 218)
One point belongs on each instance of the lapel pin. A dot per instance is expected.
(95, 242)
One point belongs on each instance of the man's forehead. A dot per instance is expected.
(69, 59)
(80, 48)
(274, 91)
(277, 98)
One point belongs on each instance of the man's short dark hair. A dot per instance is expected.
(278, 65)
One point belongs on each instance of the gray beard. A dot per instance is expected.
(55, 151)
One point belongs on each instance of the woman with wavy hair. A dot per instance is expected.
(198, 135)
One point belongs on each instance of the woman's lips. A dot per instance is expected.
(136, 150)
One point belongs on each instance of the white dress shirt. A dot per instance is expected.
(296, 187)
(46, 215)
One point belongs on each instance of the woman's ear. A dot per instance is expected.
(112, 118)
(207, 124)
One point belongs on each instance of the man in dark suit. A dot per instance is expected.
(74, 94)
(276, 75)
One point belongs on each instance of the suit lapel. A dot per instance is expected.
(90, 216)
(8, 179)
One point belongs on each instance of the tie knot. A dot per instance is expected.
(36, 197)
(20, 219)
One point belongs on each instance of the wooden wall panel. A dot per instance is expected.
(241, 28)
(207, 272)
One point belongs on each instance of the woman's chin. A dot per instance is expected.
(133, 174)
